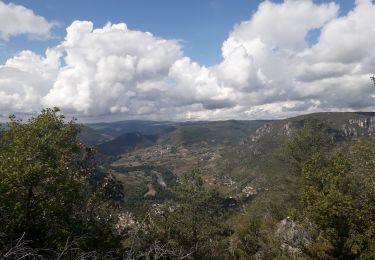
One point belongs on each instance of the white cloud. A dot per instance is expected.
(268, 59)
(268, 69)
(25, 79)
(285, 25)
(112, 69)
(16, 20)
(348, 39)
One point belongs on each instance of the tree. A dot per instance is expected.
(190, 225)
(336, 200)
(309, 140)
(339, 198)
(50, 189)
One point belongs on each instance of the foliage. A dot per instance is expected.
(339, 197)
(51, 191)
(255, 238)
(309, 140)
(192, 225)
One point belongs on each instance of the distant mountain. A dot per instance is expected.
(91, 137)
(218, 132)
(121, 137)
(116, 129)
(126, 142)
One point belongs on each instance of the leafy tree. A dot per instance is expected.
(191, 225)
(339, 198)
(336, 199)
(309, 140)
(50, 189)
(255, 237)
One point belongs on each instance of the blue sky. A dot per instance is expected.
(201, 25)
(186, 59)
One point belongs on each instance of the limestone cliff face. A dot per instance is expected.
(358, 127)
(339, 125)
(261, 132)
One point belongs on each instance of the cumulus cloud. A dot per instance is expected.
(284, 25)
(25, 79)
(280, 74)
(268, 69)
(16, 20)
(111, 69)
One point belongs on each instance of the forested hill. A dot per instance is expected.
(118, 137)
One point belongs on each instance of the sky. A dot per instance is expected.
(186, 59)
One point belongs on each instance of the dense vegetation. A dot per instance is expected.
(57, 202)
(52, 194)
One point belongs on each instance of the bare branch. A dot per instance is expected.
(21, 250)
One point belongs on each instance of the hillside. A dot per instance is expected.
(241, 158)
(140, 159)
(91, 137)
(211, 133)
(255, 156)
(115, 129)
(121, 137)
(126, 143)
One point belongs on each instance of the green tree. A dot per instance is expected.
(339, 198)
(190, 225)
(309, 140)
(50, 189)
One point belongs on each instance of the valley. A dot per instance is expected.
(242, 159)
